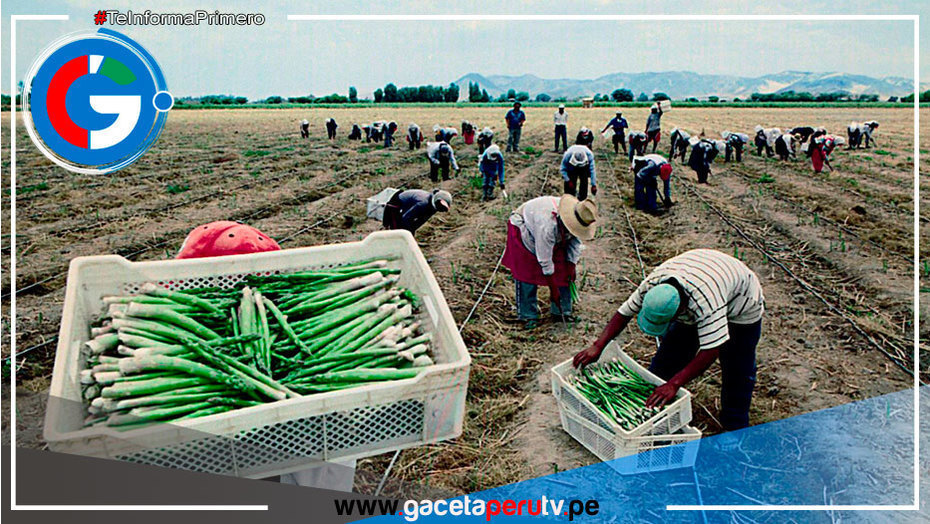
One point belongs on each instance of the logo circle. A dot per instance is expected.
(95, 102)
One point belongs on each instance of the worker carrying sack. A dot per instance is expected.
(376, 204)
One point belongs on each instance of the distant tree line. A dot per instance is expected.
(909, 99)
(804, 96)
(427, 93)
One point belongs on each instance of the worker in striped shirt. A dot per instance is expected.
(704, 305)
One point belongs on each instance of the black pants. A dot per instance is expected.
(331, 132)
(414, 144)
(737, 366)
(619, 141)
(561, 133)
(577, 183)
(435, 168)
(738, 149)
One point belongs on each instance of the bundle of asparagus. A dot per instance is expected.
(618, 392)
(164, 355)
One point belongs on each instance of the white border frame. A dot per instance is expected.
(348, 18)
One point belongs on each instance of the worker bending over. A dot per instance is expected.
(411, 209)
(647, 171)
(491, 166)
(679, 143)
(544, 242)
(704, 305)
(577, 169)
(441, 158)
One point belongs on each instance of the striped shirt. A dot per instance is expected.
(720, 290)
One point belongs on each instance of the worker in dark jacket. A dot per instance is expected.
(647, 171)
(491, 166)
(765, 139)
(702, 156)
(414, 136)
(785, 146)
(585, 138)
(679, 143)
(734, 144)
(389, 129)
(444, 134)
(356, 133)
(411, 209)
(618, 125)
(331, 128)
(304, 128)
(804, 132)
(637, 144)
(485, 137)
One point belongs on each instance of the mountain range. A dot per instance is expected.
(684, 84)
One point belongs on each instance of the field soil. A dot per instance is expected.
(834, 253)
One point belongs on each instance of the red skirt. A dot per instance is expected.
(524, 266)
(817, 157)
(469, 137)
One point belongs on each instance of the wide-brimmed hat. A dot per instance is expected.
(579, 217)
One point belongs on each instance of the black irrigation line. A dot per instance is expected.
(162, 243)
(778, 196)
(801, 282)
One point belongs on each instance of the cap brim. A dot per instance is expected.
(567, 214)
(651, 328)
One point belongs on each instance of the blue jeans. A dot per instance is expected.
(644, 193)
(528, 307)
(513, 139)
(561, 133)
(737, 366)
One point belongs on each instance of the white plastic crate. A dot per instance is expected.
(665, 452)
(670, 419)
(281, 436)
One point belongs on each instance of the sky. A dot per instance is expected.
(292, 58)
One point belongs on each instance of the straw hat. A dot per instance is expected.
(580, 218)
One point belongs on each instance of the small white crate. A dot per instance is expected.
(665, 452)
(282, 436)
(671, 418)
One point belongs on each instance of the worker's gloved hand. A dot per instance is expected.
(594, 190)
(662, 395)
(586, 356)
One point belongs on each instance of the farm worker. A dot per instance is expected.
(560, 119)
(856, 132)
(785, 145)
(411, 209)
(821, 147)
(356, 133)
(491, 165)
(304, 128)
(804, 132)
(515, 119)
(703, 152)
(414, 136)
(368, 130)
(704, 305)
(441, 157)
(765, 139)
(867, 128)
(585, 137)
(818, 132)
(544, 238)
(484, 139)
(618, 125)
(444, 134)
(389, 129)
(734, 143)
(679, 143)
(232, 238)
(331, 128)
(654, 126)
(647, 170)
(377, 130)
(637, 144)
(576, 169)
(468, 132)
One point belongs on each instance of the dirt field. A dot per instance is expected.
(834, 253)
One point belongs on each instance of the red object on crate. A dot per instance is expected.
(225, 237)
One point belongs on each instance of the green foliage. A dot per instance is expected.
(523, 96)
(353, 94)
(274, 100)
(765, 179)
(660, 96)
(622, 95)
(642, 97)
(174, 189)
(41, 186)
(379, 95)
(713, 99)
(253, 152)
(511, 94)
(543, 97)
